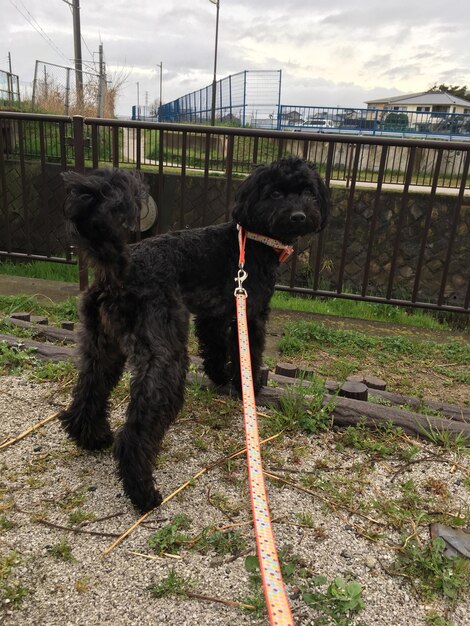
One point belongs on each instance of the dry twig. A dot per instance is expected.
(177, 491)
(24, 434)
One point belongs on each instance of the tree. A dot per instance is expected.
(455, 90)
(396, 121)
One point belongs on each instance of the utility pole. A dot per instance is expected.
(158, 109)
(138, 100)
(214, 81)
(102, 83)
(10, 79)
(77, 44)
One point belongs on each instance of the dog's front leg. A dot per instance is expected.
(213, 336)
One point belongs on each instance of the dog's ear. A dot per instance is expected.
(247, 193)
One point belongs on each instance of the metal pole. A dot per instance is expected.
(67, 92)
(102, 83)
(214, 81)
(161, 82)
(10, 80)
(77, 44)
(35, 84)
(138, 105)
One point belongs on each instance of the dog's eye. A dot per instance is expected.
(276, 195)
(307, 192)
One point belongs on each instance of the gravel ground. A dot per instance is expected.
(45, 478)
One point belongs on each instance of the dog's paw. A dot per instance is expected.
(85, 434)
(145, 503)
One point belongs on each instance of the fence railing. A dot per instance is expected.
(379, 122)
(9, 86)
(398, 232)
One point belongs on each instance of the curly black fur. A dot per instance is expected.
(137, 311)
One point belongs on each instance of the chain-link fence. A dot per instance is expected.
(9, 87)
(249, 98)
(63, 90)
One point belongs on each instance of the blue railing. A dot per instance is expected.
(386, 122)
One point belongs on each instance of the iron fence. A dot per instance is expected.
(249, 98)
(9, 86)
(376, 122)
(398, 232)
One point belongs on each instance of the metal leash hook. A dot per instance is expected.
(241, 277)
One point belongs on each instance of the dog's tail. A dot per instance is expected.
(99, 209)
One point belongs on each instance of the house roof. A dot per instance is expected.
(424, 98)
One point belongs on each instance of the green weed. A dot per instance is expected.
(5, 523)
(79, 516)
(170, 538)
(337, 604)
(14, 360)
(61, 551)
(301, 409)
(171, 585)
(433, 574)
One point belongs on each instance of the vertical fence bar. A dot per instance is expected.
(95, 142)
(228, 173)
(321, 238)
(401, 219)
(427, 224)
(453, 231)
(138, 148)
(375, 215)
(43, 184)
(4, 129)
(183, 178)
(161, 139)
(115, 145)
(255, 149)
(79, 154)
(63, 147)
(347, 225)
(24, 198)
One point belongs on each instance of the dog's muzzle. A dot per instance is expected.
(298, 217)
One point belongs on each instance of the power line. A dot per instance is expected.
(37, 27)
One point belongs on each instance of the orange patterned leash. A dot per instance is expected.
(274, 591)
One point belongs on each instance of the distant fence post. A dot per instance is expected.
(79, 154)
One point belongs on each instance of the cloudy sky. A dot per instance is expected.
(334, 52)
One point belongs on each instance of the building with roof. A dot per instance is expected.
(434, 101)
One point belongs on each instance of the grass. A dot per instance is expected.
(417, 365)
(12, 591)
(61, 551)
(56, 312)
(432, 573)
(171, 585)
(301, 409)
(357, 310)
(339, 307)
(43, 269)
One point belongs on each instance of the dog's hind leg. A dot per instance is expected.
(213, 335)
(159, 364)
(101, 366)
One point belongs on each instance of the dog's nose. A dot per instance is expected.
(298, 216)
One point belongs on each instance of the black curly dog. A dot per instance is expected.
(137, 311)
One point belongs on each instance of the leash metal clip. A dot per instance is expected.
(241, 277)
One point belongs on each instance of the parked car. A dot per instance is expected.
(317, 126)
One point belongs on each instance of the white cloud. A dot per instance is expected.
(330, 53)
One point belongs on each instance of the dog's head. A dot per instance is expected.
(282, 200)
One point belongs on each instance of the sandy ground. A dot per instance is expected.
(44, 479)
